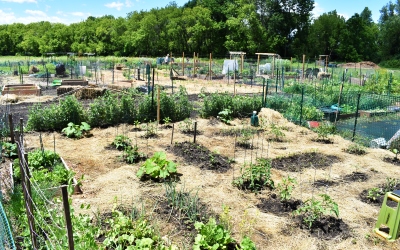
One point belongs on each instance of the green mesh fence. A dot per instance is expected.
(6, 239)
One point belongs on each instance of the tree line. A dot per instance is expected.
(286, 27)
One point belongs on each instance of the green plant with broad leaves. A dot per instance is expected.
(225, 116)
(313, 209)
(130, 231)
(76, 131)
(285, 188)
(9, 149)
(121, 142)
(247, 244)
(211, 236)
(255, 177)
(157, 167)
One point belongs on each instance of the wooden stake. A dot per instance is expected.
(67, 218)
(158, 104)
(11, 126)
(183, 63)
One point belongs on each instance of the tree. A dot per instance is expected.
(325, 34)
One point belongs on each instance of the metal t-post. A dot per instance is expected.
(355, 120)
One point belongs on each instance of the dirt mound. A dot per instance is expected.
(364, 65)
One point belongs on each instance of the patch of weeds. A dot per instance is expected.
(277, 133)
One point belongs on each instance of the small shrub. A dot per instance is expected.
(225, 116)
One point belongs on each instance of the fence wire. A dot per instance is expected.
(7, 241)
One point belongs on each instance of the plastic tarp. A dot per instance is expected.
(229, 65)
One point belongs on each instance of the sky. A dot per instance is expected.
(72, 11)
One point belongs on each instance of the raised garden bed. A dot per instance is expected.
(21, 89)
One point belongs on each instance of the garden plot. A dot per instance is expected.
(294, 152)
(108, 179)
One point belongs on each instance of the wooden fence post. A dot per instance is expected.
(67, 217)
(11, 126)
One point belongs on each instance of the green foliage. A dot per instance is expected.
(9, 149)
(150, 128)
(157, 167)
(56, 117)
(312, 209)
(76, 131)
(247, 244)
(255, 177)
(241, 106)
(186, 126)
(121, 142)
(211, 236)
(374, 193)
(43, 159)
(277, 132)
(131, 154)
(285, 188)
(324, 130)
(123, 232)
(225, 116)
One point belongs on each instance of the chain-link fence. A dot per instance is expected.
(6, 239)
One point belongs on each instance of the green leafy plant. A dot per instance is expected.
(312, 209)
(285, 188)
(157, 167)
(132, 155)
(247, 244)
(277, 132)
(186, 126)
(225, 116)
(396, 152)
(150, 128)
(76, 131)
(166, 121)
(374, 193)
(211, 236)
(390, 184)
(255, 177)
(9, 149)
(121, 142)
(324, 130)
